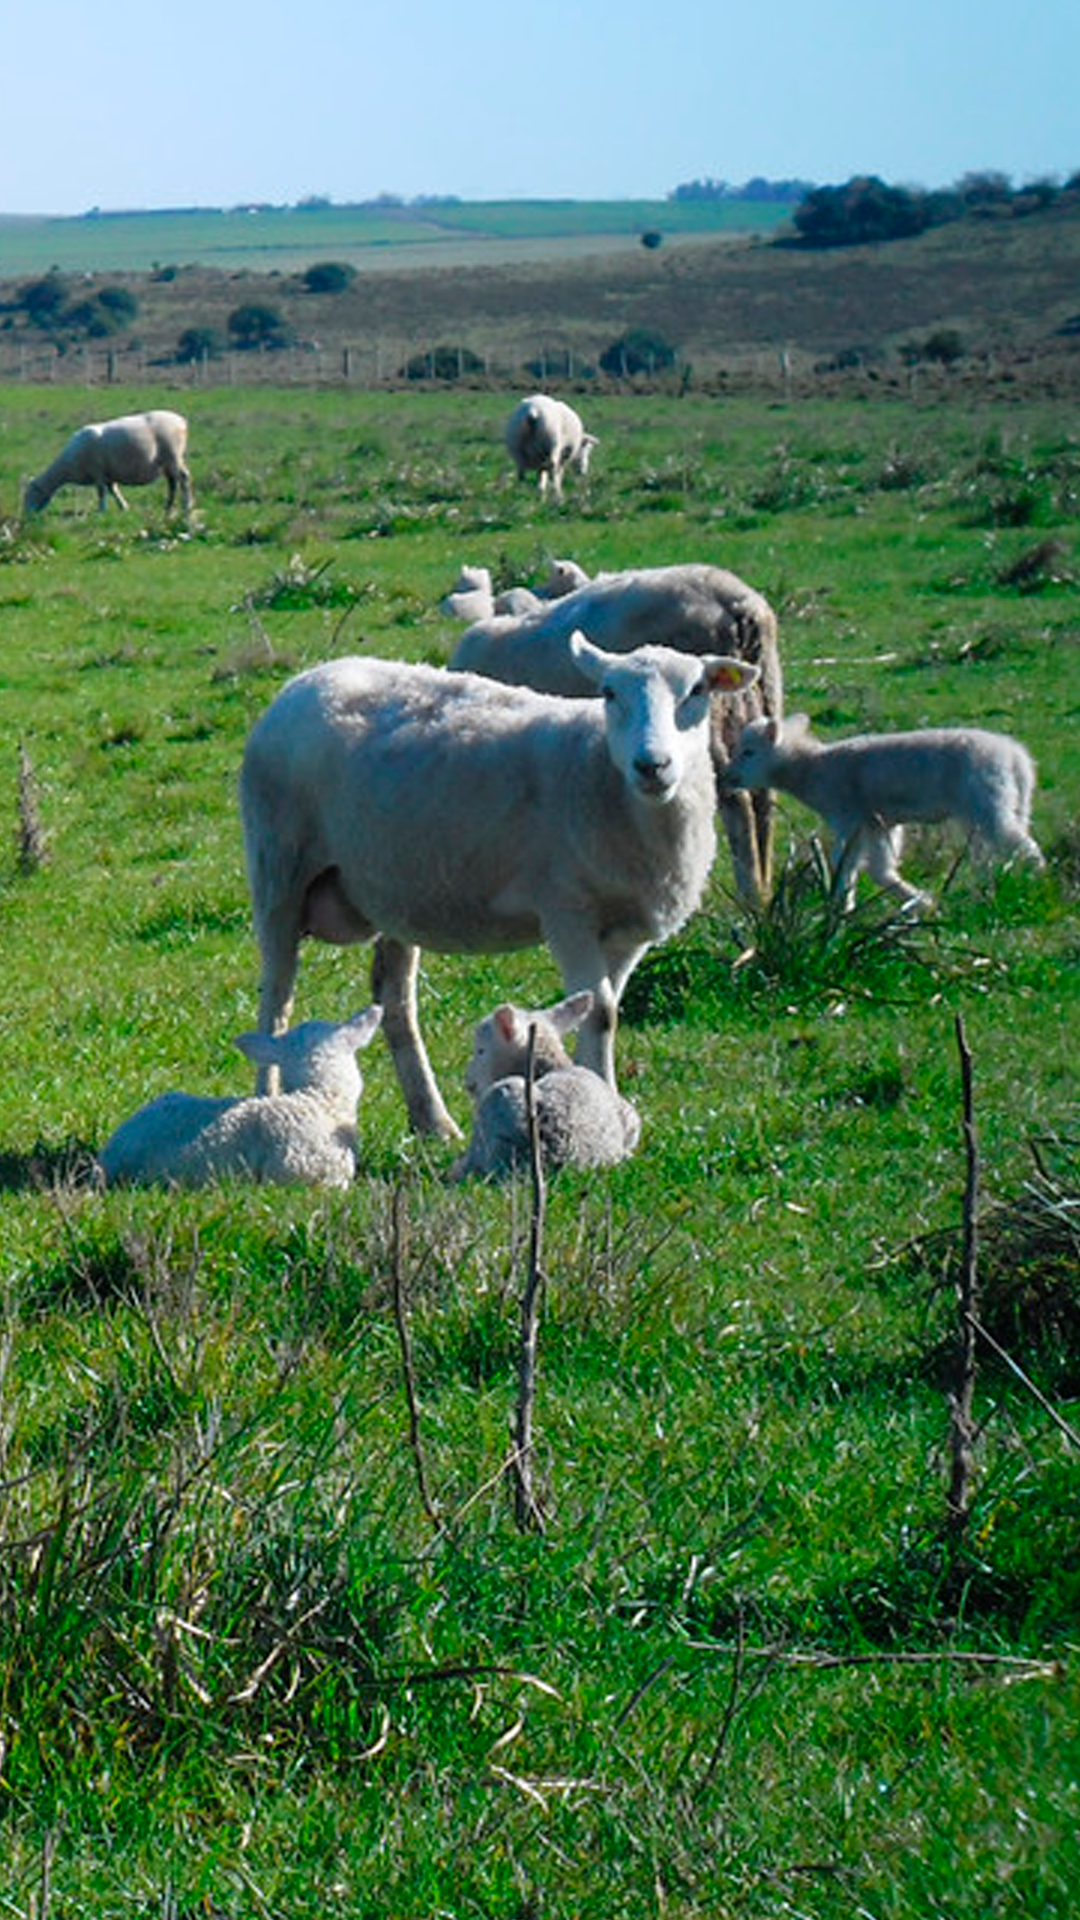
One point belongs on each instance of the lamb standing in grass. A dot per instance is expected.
(580, 1120)
(545, 436)
(135, 449)
(303, 1135)
(867, 788)
(696, 608)
(437, 809)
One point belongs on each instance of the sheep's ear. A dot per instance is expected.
(363, 1027)
(567, 1015)
(794, 724)
(505, 1021)
(726, 675)
(591, 660)
(262, 1048)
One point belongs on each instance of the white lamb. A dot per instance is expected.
(580, 1120)
(472, 597)
(305, 1134)
(436, 809)
(545, 436)
(136, 449)
(697, 609)
(867, 788)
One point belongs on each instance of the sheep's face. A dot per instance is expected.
(656, 706)
(32, 497)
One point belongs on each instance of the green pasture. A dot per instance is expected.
(262, 239)
(248, 1665)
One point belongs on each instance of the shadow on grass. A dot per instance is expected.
(47, 1166)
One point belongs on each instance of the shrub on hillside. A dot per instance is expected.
(441, 363)
(199, 343)
(253, 326)
(638, 351)
(328, 276)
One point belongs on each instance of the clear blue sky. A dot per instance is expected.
(215, 102)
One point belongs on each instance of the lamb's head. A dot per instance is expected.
(501, 1041)
(564, 576)
(754, 763)
(318, 1055)
(656, 708)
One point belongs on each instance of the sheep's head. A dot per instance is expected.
(501, 1041)
(656, 704)
(318, 1054)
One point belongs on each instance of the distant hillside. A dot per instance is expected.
(263, 239)
(993, 300)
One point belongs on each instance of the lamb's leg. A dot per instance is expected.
(393, 986)
(737, 814)
(883, 850)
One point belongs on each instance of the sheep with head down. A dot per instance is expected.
(135, 449)
(546, 436)
(424, 808)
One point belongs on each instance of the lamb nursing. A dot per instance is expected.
(433, 809)
(135, 449)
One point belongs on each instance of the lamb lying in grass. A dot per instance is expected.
(137, 449)
(867, 788)
(580, 1120)
(303, 1135)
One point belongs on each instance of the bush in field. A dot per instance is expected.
(253, 326)
(864, 209)
(199, 343)
(441, 363)
(328, 276)
(638, 351)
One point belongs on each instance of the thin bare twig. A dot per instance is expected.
(984, 1334)
(400, 1235)
(528, 1512)
(961, 1396)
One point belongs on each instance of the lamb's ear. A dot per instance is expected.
(505, 1021)
(795, 724)
(567, 1015)
(261, 1048)
(726, 675)
(591, 661)
(362, 1028)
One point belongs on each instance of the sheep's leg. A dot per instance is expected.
(737, 814)
(845, 859)
(602, 967)
(393, 987)
(280, 953)
(113, 489)
(764, 810)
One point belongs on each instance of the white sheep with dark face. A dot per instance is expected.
(433, 809)
(869, 787)
(580, 1120)
(135, 449)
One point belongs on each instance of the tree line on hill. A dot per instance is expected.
(866, 209)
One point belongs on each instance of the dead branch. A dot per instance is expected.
(397, 1274)
(528, 1513)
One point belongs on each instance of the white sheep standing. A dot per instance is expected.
(305, 1134)
(136, 449)
(580, 1120)
(545, 436)
(693, 607)
(868, 787)
(436, 809)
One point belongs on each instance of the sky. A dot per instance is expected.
(224, 102)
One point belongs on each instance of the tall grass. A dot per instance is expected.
(246, 1666)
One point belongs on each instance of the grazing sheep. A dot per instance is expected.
(545, 436)
(136, 449)
(437, 809)
(305, 1134)
(867, 788)
(697, 609)
(580, 1120)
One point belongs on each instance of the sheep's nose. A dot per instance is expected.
(652, 768)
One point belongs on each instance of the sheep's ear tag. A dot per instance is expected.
(729, 674)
